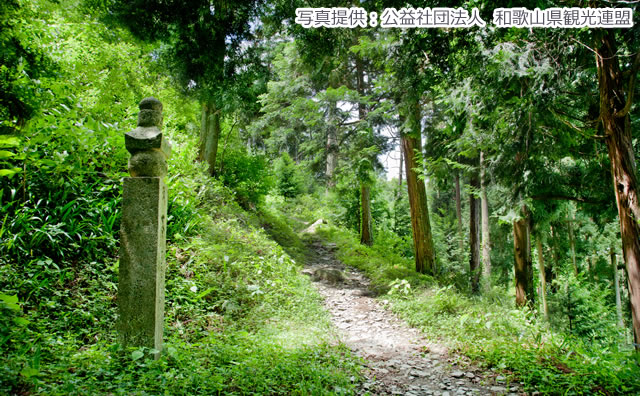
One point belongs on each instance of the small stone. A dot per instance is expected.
(500, 379)
(445, 393)
(457, 374)
(500, 389)
(419, 373)
(469, 375)
(328, 274)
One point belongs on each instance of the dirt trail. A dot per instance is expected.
(399, 360)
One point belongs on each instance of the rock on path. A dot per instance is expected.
(399, 360)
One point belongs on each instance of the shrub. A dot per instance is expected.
(288, 179)
(248, 176)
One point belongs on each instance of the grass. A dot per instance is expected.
(239, 316)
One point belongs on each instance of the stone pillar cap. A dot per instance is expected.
(146, 138)
(150, 103)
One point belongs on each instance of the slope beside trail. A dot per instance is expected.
(399, 361)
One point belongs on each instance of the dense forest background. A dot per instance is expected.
(515, 152)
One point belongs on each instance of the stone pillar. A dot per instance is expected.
(143, 232)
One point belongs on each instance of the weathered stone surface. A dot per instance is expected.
(150, 112)
(142, 262)
(147, 118)
(147, 137)
(143, 138)
(152, 163)
(143, 232)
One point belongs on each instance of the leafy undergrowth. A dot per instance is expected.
(489, 330)
(239, 317)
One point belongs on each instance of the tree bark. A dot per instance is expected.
(400, 170)
(459, 217)
(614, 114)
(616, 283)
(474, 235)
(486, 240)
(332, 144)
(204, 129)
(572, 244)
(366, 234)
(209, 136)
(422, 239)
(522, 262)
(543, 279)
(554, 256)
(366, 222)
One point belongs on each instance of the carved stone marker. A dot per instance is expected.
(143, 232)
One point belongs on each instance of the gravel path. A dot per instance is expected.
(399, 360)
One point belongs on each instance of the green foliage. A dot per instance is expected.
(288, 179)
(247, 175)
(239, 315)
(65, 206)
(345, 197)
(23, 62)
(382, 265)
(279, 230)
(584, 309)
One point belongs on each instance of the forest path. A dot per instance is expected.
(399, 360)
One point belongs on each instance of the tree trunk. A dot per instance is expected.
(572, 244)
(212, 146)
(554, 255)
(366, 223)
(486, 240)
(614, 113)
(332, 144)
(209, 136)
(459, 217)
(522, 262)
(366, 234)
(474, 236)
(204, 129)
(400, 170)
(543, 279)
(616, 283)
(422, 239)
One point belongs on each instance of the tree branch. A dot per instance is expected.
(632, 83)
(570, 125)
